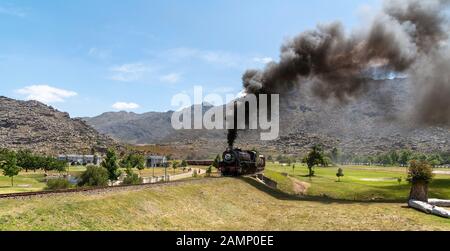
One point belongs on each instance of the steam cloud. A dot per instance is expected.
(408, 37)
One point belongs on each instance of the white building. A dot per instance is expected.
(75, 159)
(156, 161)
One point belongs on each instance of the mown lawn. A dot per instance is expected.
(22, 183)
(360, 183)
(211, 204)
(35, 181)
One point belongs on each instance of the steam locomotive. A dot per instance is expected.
(236, 162)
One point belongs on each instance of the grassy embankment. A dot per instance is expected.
(211, 204)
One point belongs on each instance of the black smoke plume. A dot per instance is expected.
(404, 37)
(409, 37)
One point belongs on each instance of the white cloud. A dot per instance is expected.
(125, 106)
(46, 94)
(171, 78)
(12, 11)
(263, 60)
(223, 58)
(129, 72)
(99, 53)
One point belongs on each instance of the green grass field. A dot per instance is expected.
(359, 183)
(209, 204)
(35, 181)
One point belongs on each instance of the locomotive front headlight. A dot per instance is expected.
(228, 157)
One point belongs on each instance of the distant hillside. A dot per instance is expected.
(375, 122)
(147, 128)
(41, 128)
(133, 128)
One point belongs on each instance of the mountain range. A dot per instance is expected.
(43, 129)
(375, 122)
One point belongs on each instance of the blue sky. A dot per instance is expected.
(87, 57)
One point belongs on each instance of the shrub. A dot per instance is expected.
(132, 178)
(340, 174)
(420, 171)
(419, 175)
(58, 184)
(209, 171)
(94, 176)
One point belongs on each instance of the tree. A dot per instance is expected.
(405, 157)
(279, 158)
(340, 174)
(184, 164)
(8, 164)
(395, 158)
(335, 155)
(315, 157)
(445, 157)
(46, 163)
(419, 157)
(25, 159)
(326, 161)
(209, 171)
(56, 165)
(94, 176)
(420, 175)
(216, 161)
(370, 160)
(110, 164)
(384, 159)
(133, 161)
(175, 165)
(435, 160)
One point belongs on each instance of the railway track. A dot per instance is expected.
(97, 189)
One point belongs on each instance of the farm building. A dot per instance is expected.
(80, 159)
(156, 161)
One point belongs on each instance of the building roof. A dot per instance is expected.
(156, 157)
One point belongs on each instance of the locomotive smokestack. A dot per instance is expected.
(232, 135)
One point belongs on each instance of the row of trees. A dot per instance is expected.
(12, 162)
(110, 169)
(392, 158)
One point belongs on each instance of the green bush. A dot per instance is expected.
(420, 171)
(209, 171)
(132, 178)
(340, 174)
(94, 176)
(58, 184)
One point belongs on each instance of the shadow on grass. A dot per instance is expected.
(280, 195)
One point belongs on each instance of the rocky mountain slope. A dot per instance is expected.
(375, 122)
(33, 125)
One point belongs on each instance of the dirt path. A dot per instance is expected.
(300, 187)
(442, 172)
